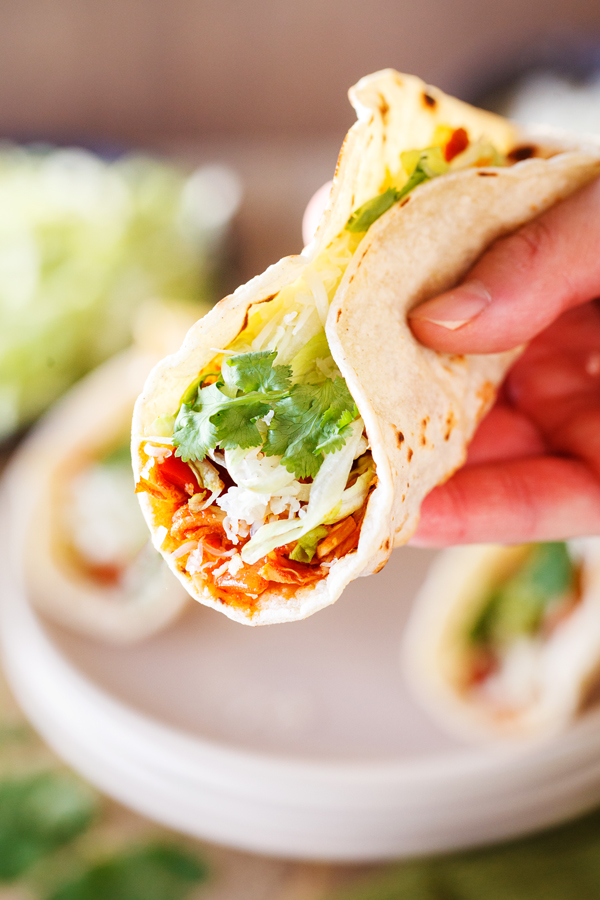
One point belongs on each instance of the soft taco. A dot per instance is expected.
(287, 446)
(88, 562)
(505, 641)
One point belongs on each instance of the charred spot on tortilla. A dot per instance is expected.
(485, 395)
(409, 454)
(339, 313)
(405, 201)
(387, 544)
(487, 174)
(400, 438)
(383, 108)
(518, 154)
(450, 423)
(428, 100)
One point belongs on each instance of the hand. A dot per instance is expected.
(533, 468)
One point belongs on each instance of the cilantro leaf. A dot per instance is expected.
(157, 871)
(236, 424)
(305, 420)
(309, 420)
(40, 813)
(256, 372)
(223, 416)
(194, 434)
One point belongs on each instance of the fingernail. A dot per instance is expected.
(455, 308)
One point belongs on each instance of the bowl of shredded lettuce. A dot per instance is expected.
(84, 242)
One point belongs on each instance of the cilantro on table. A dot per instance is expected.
(155, 872)
(429, 164)
(38, 814)
(309, 420)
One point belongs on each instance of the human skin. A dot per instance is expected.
(533, 468)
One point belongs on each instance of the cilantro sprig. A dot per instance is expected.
(308, 421)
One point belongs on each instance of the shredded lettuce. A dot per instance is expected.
(325, 493)
(306, 547)
(420, 165)
(352, 498)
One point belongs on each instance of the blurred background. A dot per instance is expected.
(164, 152)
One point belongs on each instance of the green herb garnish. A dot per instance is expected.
(38, 814)
(309, 420)
(155, 872)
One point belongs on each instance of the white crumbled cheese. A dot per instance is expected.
(516, 684)
(287, 505)
(261, 338)
(242, 506)
(161, 453)
(269, 417)
(222, 570)
(304, 317)
(145, 473)
(183, 549)
(287, 319)
(105, 523)
(231, 567)
(194, 560)
(235, 564)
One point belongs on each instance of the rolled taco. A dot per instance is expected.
(88, 562)
(287, 446)
(505, 641)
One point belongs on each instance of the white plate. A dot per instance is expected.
(297, 740)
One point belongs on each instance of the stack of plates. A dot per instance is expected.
(298, 740)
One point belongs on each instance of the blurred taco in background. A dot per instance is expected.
(89, 564)
(505, 641)
(287, 446)
(83, 243)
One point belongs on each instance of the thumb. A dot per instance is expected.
(521, 284)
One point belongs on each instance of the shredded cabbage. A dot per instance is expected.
(325, 496)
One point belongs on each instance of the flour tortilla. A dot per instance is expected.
(434, 645)
(420, 408)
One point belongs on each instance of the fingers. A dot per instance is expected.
(521, 284)
(505, 433)
(536, 499)
(314, 211)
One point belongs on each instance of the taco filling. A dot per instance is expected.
(264, 472)
(100, 535)
(514, 623)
